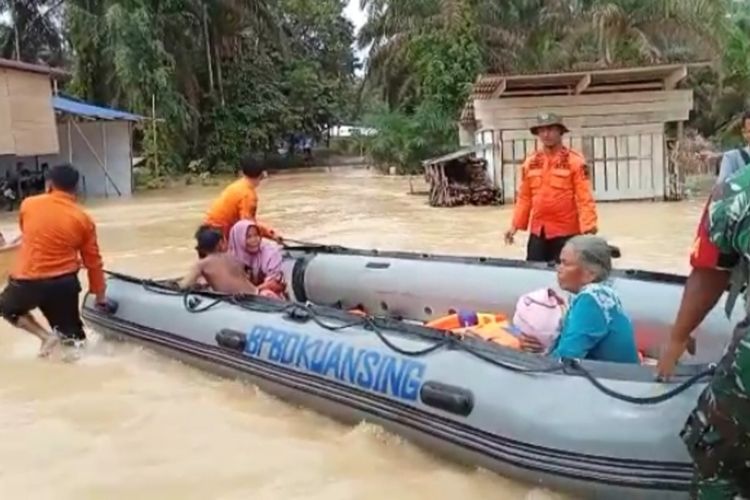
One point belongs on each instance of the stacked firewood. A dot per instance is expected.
(451, 192)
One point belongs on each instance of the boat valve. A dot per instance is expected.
(109, 306)
(297, 314)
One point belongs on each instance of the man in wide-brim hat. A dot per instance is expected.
(549, 120)
(554, 200)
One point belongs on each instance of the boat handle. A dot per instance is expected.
(231, 339)
(448, 398)
(108, 307)
(378, 265)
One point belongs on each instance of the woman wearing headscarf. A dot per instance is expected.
(262, 258)
(595, 325)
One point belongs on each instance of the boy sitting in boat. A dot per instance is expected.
(220, 270)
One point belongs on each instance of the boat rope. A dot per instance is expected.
(290, 244)
(575, 365)
(291, 310)
(300, 243)
(192, 303)
(367, 322)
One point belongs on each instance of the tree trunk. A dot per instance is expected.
(208, 50)
(217, 61)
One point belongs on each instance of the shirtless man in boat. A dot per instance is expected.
(222, 272)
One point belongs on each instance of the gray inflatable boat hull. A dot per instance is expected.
(465, 400)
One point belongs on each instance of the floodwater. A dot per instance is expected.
(125, 423)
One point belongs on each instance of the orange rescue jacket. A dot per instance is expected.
(238, 201)
(58, 236)
(555, 195)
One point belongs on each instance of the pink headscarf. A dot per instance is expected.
(263, 264)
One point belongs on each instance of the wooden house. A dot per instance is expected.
(621, 120)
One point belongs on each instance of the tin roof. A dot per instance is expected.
(79, 108)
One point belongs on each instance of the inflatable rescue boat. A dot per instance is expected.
(593, 429)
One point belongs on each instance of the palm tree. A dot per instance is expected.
(732, 97)
(653, 31)
(33, 35)
(515, 34)
(539, 35)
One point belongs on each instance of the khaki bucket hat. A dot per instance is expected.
(548, 120)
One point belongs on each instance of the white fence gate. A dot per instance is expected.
(625, 166)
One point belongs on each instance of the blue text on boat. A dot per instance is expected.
(364, 368)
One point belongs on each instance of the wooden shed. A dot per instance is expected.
(617, 119)
(460, 178)
(27, 119)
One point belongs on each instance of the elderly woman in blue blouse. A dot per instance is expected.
(595, 325)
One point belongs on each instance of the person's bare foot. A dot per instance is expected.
(48, 345)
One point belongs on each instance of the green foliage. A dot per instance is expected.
(443, 59)
(348, 146)
(404, 140)
(228, 76)
(721, 97)
(255, 121)
(301, 88)
(446, 63)
(538, 35)
(430, 51)
(125, 60)
(30, 31)
(734, 97)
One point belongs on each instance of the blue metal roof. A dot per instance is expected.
(80, 108)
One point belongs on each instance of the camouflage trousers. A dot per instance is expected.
(717, 433)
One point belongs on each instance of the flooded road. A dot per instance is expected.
(124, 423)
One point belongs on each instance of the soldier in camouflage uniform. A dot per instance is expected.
(717, 433)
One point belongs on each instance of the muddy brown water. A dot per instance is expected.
(125, 423)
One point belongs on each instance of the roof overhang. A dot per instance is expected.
(74, 107)
(34, 68)
(636, 79)
(461, 153)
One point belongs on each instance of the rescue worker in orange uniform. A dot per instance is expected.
(55, 232)
(238, 201)
(555, 200)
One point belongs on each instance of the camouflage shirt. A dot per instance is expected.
(717, 432)
(723, 239)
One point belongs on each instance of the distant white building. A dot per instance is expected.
(350, 130)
